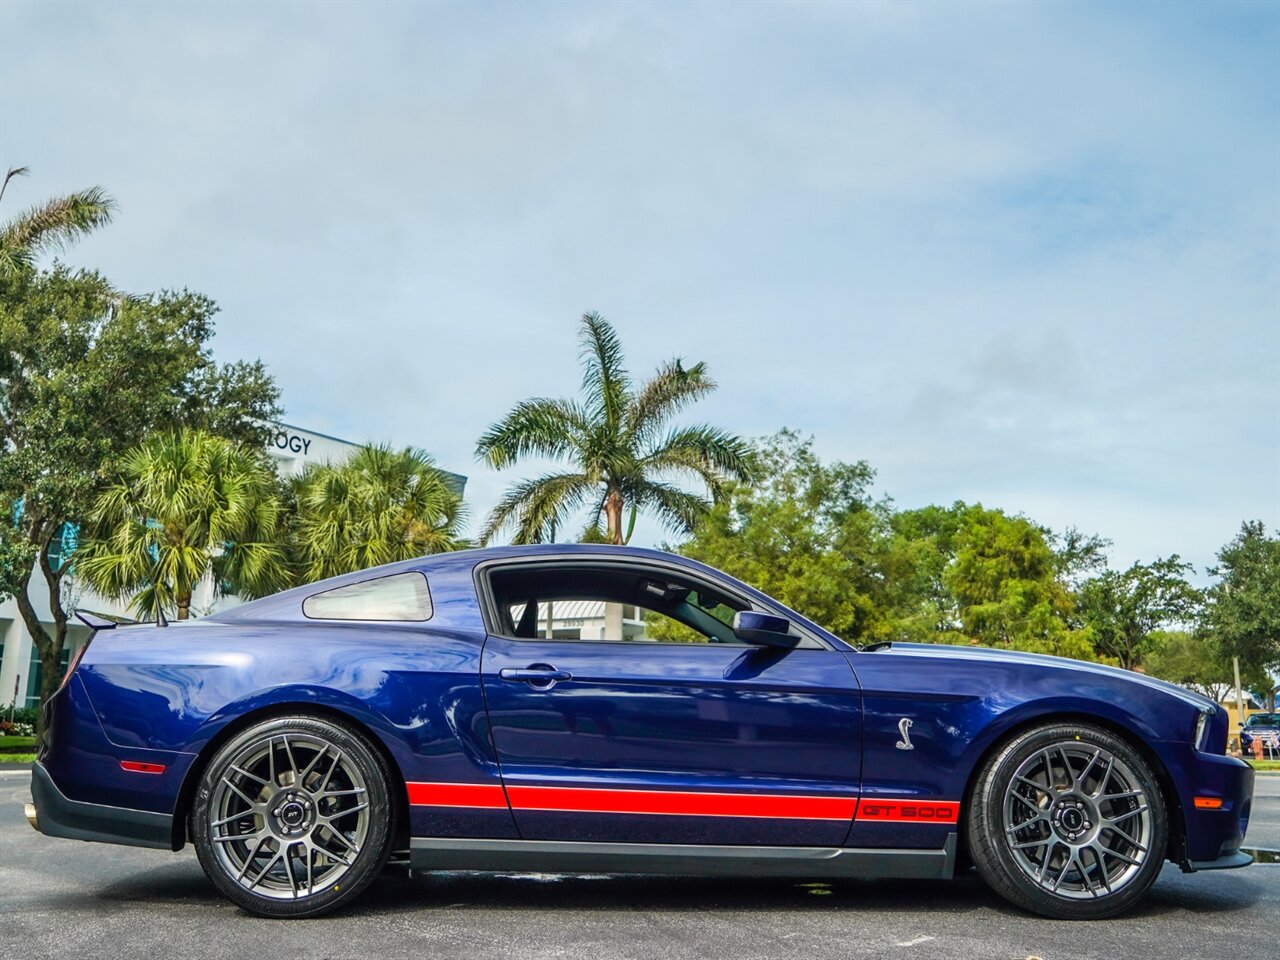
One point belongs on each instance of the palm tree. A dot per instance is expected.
(379, 506)
(185, 505)
(622, 451)
(50, 225)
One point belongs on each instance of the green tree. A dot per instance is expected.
(379, 506)
(86, 375)
(51, 225)
(920, 549)
(1121, 610)
(622, 451)
(1005, 579)
(1191, 658)
(1078, 555)
(1244, 605)
(806, 533)
(184, 506)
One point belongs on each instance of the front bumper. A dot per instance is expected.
(58, 816)
(1227, 861)
(1214, 834)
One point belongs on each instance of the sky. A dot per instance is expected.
(1026, 254)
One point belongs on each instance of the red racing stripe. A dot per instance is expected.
(680, 803)
(908, 811)
(457, 795)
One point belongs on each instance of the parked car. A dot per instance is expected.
(420, 710)
(1264, 727)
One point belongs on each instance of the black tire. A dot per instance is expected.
(275, 784)
(1100, 832)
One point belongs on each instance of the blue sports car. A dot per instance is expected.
(587, 708)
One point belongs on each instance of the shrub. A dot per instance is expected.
(26, 715)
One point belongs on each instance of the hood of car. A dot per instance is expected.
(1197, 700)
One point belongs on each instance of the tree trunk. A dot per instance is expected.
(51, 658)
(613, 611)
(184, 605)
(613, 517)
(50, 679)
(48, 647)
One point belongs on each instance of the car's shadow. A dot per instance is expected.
(394, 892)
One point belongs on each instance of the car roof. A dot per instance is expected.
(287, 605)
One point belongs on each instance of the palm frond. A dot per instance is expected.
(539, 427)
(184, 504)
(712, 455)
(614, 440)
(604, 375)
(379, 506)
(52, 225)
(530, 508)
(678, 509)
(665, 394)
(13, 172)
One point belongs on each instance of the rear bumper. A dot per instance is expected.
(58, 816)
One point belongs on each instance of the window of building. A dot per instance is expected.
(402, 596)
(63, 544)
(35, 673)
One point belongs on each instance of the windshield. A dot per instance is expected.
(1263, 720)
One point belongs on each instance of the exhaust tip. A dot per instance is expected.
(33, 817)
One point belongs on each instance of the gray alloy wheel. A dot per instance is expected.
(292, 817)
(1068, 821)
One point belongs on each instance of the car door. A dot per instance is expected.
(641, 740)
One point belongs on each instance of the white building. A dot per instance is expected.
(583, 620)
(291, 447)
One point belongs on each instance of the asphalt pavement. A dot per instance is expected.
(64, 898)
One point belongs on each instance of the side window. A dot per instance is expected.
(604, 602)
(402, 596)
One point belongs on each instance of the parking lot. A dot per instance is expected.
(63, 898)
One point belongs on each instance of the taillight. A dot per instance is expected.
(75, 662)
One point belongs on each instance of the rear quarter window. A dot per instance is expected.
(400, 597)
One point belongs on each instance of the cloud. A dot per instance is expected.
(1019, 253)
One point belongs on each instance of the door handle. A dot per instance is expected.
(539, 674)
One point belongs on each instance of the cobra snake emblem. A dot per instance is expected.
(904, 728)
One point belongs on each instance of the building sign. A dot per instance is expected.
(294, 443)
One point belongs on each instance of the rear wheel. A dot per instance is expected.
(292, 817)
(1068, 821)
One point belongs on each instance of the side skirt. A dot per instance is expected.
(564, 856)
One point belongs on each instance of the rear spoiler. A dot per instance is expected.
(102, 621)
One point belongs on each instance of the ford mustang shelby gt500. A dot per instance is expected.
(606, 709)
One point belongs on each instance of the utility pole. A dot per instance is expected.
(1235, 662)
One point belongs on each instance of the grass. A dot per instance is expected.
(17, 743)
(17, 758)
(1265, 765)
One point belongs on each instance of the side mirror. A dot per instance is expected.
(763, 629)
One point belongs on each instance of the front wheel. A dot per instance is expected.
(292, 817)
(1068, 821)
